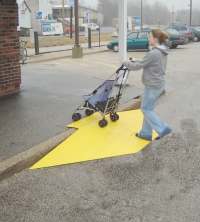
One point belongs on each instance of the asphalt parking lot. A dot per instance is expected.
(159, 184)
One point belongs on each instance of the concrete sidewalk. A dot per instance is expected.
(159, 184)
(56, 53)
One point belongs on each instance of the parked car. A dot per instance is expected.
(196, 33)
(92, 26)
(145, 28)
(175, 38)
(135, 41)
(67, 29)
(184, 30)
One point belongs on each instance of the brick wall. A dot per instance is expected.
(10, 73)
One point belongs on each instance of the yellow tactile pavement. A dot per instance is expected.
(90, 142)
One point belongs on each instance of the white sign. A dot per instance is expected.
(38, 15)
(52, 28)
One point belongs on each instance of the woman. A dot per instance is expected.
(154, 67)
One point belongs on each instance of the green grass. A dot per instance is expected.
(48, 41)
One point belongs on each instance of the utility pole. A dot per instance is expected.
(77, 51)
(122, 29)
(141, 15)
(191, 5)
(76, 23)
(63, 10)
(71, 22)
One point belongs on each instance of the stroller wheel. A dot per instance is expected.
(89, 112)
(76, 116)
(114, 117)
(103, 123)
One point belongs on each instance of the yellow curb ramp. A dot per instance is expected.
(90, 142)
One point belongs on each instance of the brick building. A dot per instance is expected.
(10, 73)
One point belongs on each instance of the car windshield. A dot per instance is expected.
(142, 35)
(133, 35)
(172, 31)
(181, 28)
(197, 29)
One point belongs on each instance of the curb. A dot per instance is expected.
(26, 159)
(63, 57)
(134, 105)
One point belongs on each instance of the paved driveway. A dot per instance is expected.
(160, 184)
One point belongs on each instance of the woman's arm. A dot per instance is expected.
(137, 65)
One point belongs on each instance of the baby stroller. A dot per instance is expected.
(105, 99)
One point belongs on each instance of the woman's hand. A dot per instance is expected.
(133, 64)
(127, 63)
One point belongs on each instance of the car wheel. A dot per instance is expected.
(186, 41)
(116, 48)
(146, 47)
(195, 39)
(169, 44)
(174, 46)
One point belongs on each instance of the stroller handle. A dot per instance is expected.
(122, 67)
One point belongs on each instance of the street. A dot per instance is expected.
(160, 183)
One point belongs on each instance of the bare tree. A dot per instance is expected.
(183, 17)
(109, 9)
(153, 14)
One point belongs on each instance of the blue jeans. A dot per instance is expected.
(151, 120)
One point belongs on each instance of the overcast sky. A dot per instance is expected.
(89, 3)
(178, 4)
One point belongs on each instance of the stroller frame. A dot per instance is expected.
(111, 105)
